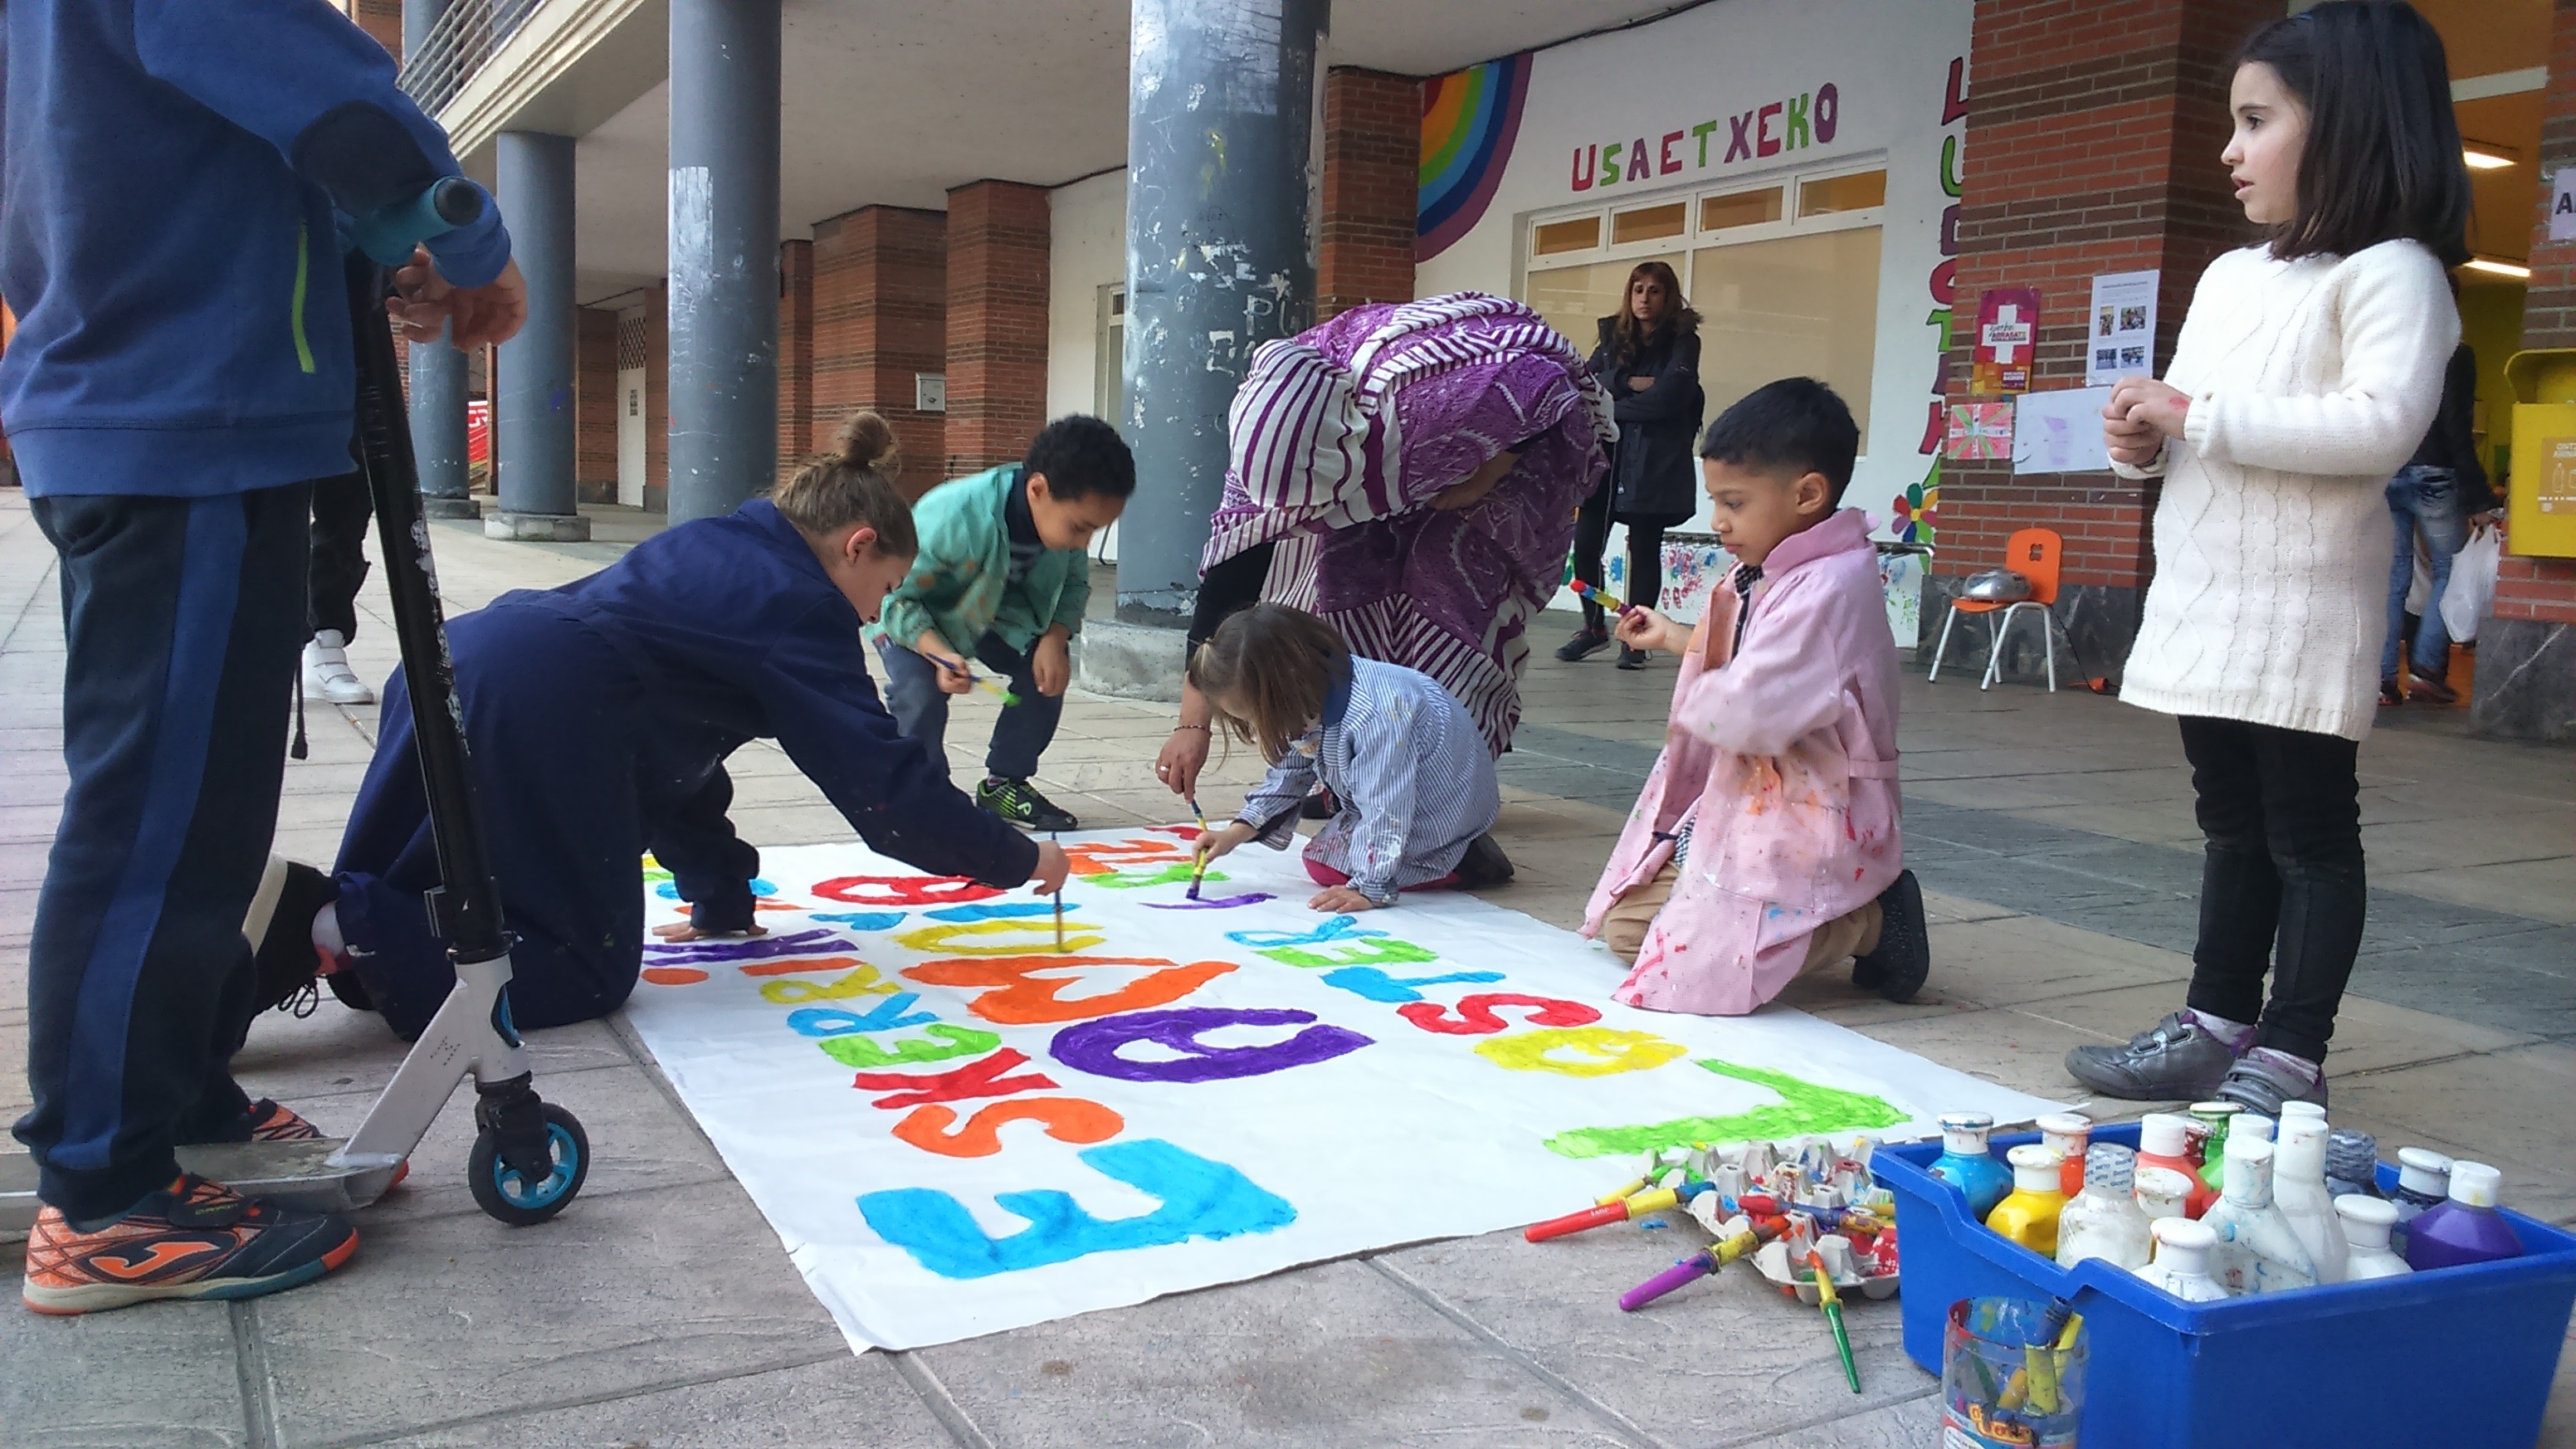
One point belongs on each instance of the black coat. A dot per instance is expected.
(1652, 479)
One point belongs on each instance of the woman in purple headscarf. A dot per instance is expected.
(1410, 472)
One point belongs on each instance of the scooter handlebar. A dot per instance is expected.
(388, 234)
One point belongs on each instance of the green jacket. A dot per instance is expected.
(960, 583)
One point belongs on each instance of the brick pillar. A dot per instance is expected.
(795, 353)
(1372, 152)
(880, 316)
(594, 405)
(2526, 671)
(2092, 146)
(999, 247)
(381, 19)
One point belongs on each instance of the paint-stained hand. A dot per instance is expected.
(480, 316)
(1340, 899)
(1051, 664)
(679, 931)
(2142, 403)
(1643, 628)
(1053, 867)
(1219, 842)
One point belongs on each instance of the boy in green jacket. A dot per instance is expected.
(1003, 578)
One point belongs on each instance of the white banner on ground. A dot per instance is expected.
(957, 1129)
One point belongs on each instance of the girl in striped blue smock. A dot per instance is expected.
(1411, 773)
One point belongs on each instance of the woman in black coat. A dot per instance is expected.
(1648, 361)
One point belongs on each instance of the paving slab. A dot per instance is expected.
(2012, 960)
(835, 1403)
(162, 1375)
(1724, 1360)
(625, 1293)
(1334, 1354)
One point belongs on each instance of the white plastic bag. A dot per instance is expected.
(2472, 586)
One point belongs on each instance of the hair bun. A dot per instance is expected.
(867, 441)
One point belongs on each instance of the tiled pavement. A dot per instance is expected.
(2055, 832)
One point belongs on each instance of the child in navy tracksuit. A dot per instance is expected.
(181, 374)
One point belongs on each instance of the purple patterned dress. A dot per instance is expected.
(1342, 435)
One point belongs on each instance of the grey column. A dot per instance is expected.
(723, 253)
(438, 430)
(418, 17)
(1223, 162)
(532, 415)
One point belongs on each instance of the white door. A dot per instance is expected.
(631, 437)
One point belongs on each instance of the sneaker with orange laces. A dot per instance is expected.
(270, 1122)
(192, 1239)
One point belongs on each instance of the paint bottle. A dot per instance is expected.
(2352, 1163)
(2423, 1183)
(2310, 1110)
(2255, 1124)
(1969, 1165)
(2163, 1192)
(2366, 1221)
(2103, 1220)
(2164, 1141)
(2028, 1214)
(2258, 1251)
(2181, 1264)
(2070, 1133)
(2466, 1228)
(2299, 1188)
(2214, 1117)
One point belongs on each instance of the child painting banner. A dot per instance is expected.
(957, 1125)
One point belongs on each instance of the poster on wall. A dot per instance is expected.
(2120, 330)
(2061, 432)
(2007, 337)
(2562, 204)
(1980, 431)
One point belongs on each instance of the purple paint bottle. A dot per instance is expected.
(2466, 1228)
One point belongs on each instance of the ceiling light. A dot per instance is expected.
(2482, 157)
(2490, 265)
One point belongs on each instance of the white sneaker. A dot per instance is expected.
(327, 672)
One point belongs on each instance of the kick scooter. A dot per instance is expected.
(530, 1156)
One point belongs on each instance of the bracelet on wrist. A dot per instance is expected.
(1187, 726)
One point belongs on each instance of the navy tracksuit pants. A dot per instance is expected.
(182, 619)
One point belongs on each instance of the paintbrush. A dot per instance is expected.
(1059, 908)
(1200, 872)
(1832, 1303)
(1583, 590)
(980, 682)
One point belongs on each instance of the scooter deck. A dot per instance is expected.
(290, 1174)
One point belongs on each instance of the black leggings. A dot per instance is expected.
(2281, 885)
(1645, 554)
(336, 562)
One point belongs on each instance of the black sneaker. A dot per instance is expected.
(2176, 1060)
(1319, 806)
(1484, 864)
(1904, 955)
(1631, 658)
(279, 928)
(1019, 802)
(192, 1239)
(1584, 644)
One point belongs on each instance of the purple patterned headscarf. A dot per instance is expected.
(1342, 435)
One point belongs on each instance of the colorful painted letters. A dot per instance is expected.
(1093, 1046)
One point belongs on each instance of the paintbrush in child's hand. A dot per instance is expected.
(1200, 872)
(980, 682)
(1583, 590)
(1059, 908)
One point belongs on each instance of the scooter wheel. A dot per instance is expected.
(515, 1200)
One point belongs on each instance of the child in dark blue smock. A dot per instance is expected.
(600, 716)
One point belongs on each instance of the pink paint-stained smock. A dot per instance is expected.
(1779, 767)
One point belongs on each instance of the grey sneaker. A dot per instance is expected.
(2174, 1061)
(2261, 1086)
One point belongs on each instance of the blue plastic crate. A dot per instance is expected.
(2459, 1358)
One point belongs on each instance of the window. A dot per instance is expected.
(1649, 223)
(1109, 368)
(1740, 208)
(1784, 273)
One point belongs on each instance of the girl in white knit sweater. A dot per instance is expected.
(2307, 370)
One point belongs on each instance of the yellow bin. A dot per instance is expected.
(2542, 497)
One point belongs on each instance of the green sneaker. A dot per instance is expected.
(1019, 802)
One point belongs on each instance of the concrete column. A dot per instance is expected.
(532, 415)
(1223, 162)
(418, 17)
(723, 253)
(438, 430)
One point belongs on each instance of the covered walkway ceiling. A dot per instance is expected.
(893, 105)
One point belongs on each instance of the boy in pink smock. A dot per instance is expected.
(1765, 845)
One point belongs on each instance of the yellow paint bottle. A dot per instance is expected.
(2028, 1214)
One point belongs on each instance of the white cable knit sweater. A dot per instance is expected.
(2311, 382)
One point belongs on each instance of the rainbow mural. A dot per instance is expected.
(1469, 120)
